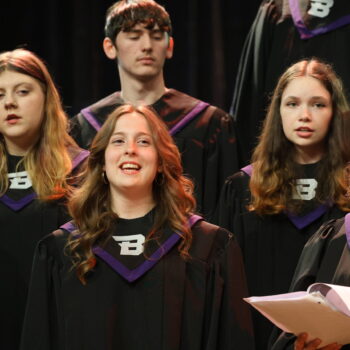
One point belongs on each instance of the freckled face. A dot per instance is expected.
(22, 102)
(131, 158)
(306, 112)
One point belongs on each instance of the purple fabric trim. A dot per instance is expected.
(89, 116)
(188, 117)
(347, 228)
(68, 226)
(306, 33)
(17, 205)
(302, 221)
(80, 157)
(248, 170)
(193, 219)
(132, 275)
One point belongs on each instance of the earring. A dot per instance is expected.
(104, 178)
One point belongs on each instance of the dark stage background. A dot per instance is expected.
(68, 34)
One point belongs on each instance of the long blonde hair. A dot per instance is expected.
(90, 205)
(48, 162)
(274, 169)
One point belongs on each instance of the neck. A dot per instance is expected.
(129, 207)
(145, 92)
(17, 148)
(309, 156)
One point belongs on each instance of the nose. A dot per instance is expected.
(146, 43)
(305, 115)
(10, 102)
(130, 148)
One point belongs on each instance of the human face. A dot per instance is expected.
(141, 52)
(131, 158)
(306, 112)
(21, 111)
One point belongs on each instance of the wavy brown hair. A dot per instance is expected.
(274, 168)
(90, 205)
(48, 162)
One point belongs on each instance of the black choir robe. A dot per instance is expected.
(207, 141)
(325, 258)
(163, 303)
(24, 220)
(271, 244)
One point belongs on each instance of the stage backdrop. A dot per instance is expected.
(68, 34)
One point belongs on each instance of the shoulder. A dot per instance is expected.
(330, 230)
(210, 241)
(53, 245)
(211, 111)
(108, 101)
(238, 181)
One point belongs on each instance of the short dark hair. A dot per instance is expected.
(125, 14)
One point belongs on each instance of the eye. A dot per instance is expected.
(22, 92)
(117, 141)
(291, 104)
(144, 141)
(319, 105)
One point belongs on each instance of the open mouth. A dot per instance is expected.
(130, 168)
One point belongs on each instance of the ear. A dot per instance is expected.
(109, 49)
(170, 49)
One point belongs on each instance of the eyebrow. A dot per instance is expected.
(19, 84)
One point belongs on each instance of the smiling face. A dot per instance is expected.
(131, 158)
(22, 102)
(141, 52)
(306, 111)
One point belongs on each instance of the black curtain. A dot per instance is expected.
(68, 34)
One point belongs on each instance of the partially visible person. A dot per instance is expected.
(296, 182)
(37, 157)
(136, 269)
(326, 259)
(138, 37)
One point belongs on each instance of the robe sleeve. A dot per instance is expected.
(229, 325)
(43, 319)
(305, 274)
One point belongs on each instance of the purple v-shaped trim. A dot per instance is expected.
(132, 275)
(347, 228)
(248, 170)
(17, 205)
(199, 107)
(68, 226)
(306, 33)
(302, 221)
(299, 221)
(80, 157)
(89, 116)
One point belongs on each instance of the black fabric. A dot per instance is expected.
(207, 144)
(271, 245)
(272, 45)
(20, 232)
(325, 258)
(193, 305)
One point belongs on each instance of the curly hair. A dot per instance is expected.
(52, 148)
(90, 205)
(274, 168)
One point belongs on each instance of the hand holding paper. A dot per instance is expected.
(323, 311)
